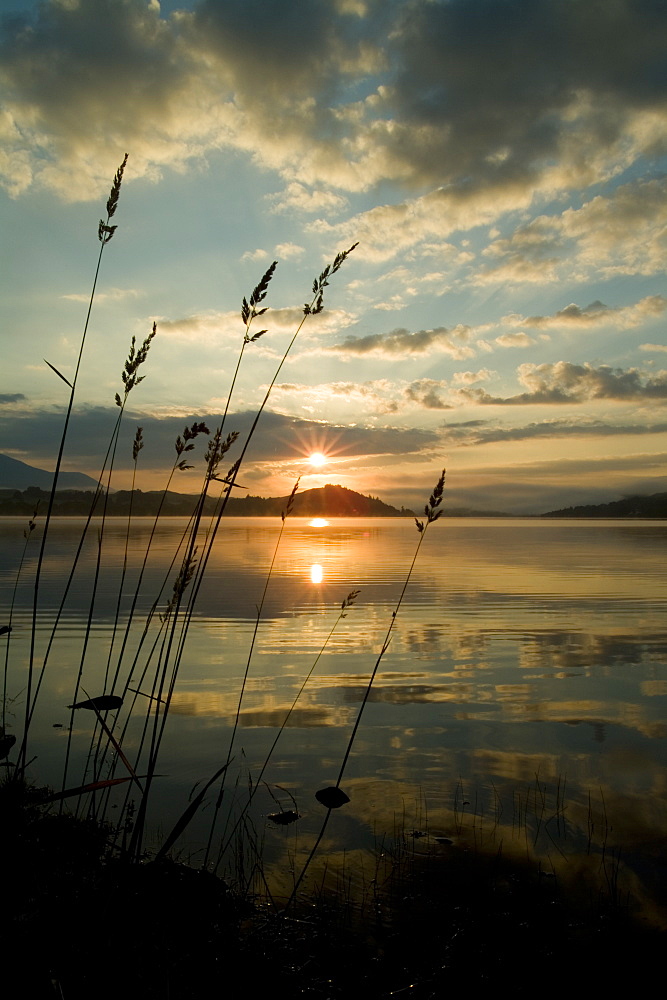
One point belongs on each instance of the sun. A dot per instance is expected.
(317, 459)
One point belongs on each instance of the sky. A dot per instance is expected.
(500, 163)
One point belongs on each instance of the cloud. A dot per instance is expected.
(617, 234)
(255, 255)
(86, 81)
(280, 438)
(483, 106)
(377, 396)
(288, 251)
(515, 340)
(480, 432)
(7, 398)
(298, 198)
(426, 392)
(653, 347)
(469, 378)
(402, 343)
(213, 325)
(564, 382)
(110, 295)
(596, 314)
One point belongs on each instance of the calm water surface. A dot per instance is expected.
(525, 651)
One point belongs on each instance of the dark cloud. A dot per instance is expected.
(402, 343)
(572, 314)
(278, 438)
(477, 432)
(597, 313)
(564, 382)
(73, 75)
(278, 51)
(499, 77)
(485, 96)
(7, 398)
(427, 393)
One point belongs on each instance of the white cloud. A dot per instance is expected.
(110, 295)
(212, 325)
(469, 378)
(515, 340)
(297, 197)
(618, 234)
(374, 396)
(288, 251)
(255, 255)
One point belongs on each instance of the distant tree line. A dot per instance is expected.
(327, 501)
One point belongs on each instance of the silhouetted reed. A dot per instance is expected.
(334, 797)
(139, 675)
(152, 672)
(105, 233)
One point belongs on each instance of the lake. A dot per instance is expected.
(522, 699)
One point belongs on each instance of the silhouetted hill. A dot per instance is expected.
(17, 475)
(338, 501)
(637, 506)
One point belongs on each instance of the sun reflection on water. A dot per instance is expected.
(316, 573)
(318, 522)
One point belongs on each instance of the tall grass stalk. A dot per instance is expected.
(260, 608)
(27, 535)
(183, 446)
(193, 569)
(190, 569)
(248, 313)
(131, 378)
(333, 797)
(137, 446)
(105, 233)
(346, 604)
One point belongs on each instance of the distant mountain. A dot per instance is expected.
(637, 506)
(15, 475)
(73, 498)
(328, 501)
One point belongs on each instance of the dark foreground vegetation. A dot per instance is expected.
(81, 921)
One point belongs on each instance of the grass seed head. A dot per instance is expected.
(217, 448)
(319, 284)
(248, 310)
(104, 230)
(349, 601)
(138, 443)
(135, 360)
(290, 501)
(112, 203)
(431, 509)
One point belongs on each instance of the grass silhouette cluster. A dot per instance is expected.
(99, 911)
